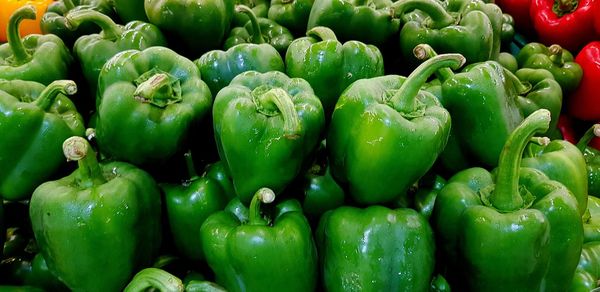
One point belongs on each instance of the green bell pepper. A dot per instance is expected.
(218, 68)
(53, 21)
(130, 10)
(98, 225)
(259, 7)
(371, 22)
(40, 58)
(330, 66)
(35, 120)
(587, 274)
(148, 102)
(266, 125)
(507, 34)
(291, 14)
(428, 189)
(544, 92)
(94, 50)
(592, 159)
(188, 205)
(508, 61)
(468, 27)
(194, 27)
(259, 30)
(383, 122)
(491, 226)
(154, 279)
(557, 60)
(591, 220)
(375, 249)
(271, 253)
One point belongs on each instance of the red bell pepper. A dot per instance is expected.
(584, 103)
(572, 131)
(519, 10)
(569, 23)
(597, 18)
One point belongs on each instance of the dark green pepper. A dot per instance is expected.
(258, 253)
(98, 225)
(543, 92)
(591, 220)
(428, 189)
(130, 10)
(40, 58)
(587, 274)
(592, 159)
(330, 66)
(291, 14)
(40, 118)
(259, 7)
(266, 125)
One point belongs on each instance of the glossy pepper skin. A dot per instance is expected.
(53, 21)
(259, 7)
(569, 23)
(218, 67)
(188, 204)
(400, 241)
(291, 14)
(583, 102)
(98, 225)
(371, 22)
(210, 21)
(428, 189)
(556, 60)
(147, 103)
(130, 10)
(494, 224)
(587, 273)
(542, 92)
(266, 125)
(385, 122)
(591, 221)
(470, 28)
(94, 50)
(329, 65)
(592, 159)
(270, 252)
(40, 58)
(42, 118)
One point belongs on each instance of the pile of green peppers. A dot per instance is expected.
(277, 145)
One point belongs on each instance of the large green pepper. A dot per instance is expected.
(510, 230)
(375, 249)
(34, 122)
(469, 27)
(330, 66)
(266, 125)
(291, 14)
(591, 220)
(195, 26)
(93, 50)
(558, 61)
(41, 58)
(188, 205)
(386, 133)
(54, 21)
(130, 10)
(256, 253)
(148, 102)
(270, 31)
(218, 67)
(98, 225)
(587, 273)
(259, 7)
(592, 159)
(371, 22)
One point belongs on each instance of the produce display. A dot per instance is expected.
(299, 145)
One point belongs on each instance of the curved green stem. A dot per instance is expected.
(257, 37)
(154, 278)
(556, 54)
(69, 4)
(89, 172)
(506, 195)
(591, 133)
(14, 38)
(405, 98)
(425, 52)
(282, 103)
(262, 196)
(48, 96)
(520, 86)
(203, 286)
(437, 13)
(322, 33)
(189, 162)
(158, 88)
(110, 29)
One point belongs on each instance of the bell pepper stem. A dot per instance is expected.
(155, 278)
(257, 37)
(405, 98)
(506, 194)
(89, 172)
(322, 33)
(110, 30)
(591, 133)
(157, 89)
(425, 52)
(520, 86)
(438, 15)
(556, 54)
(14, 38)
(191, 169)
(49, 94)
(285, 106)
(262, 196)
(68, 4)
(562, 7)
